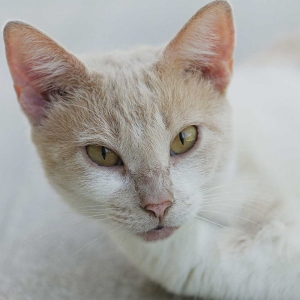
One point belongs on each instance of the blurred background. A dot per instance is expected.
(64, 259)
(89, 26)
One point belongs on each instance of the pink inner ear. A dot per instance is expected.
(220, 68)
(32, 103)
(206, 45)
(18, 56)
(18, 74)
(219, 76)
(37, 64)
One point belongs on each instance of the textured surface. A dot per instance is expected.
(46, 252)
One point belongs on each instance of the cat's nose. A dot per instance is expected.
(158, 209)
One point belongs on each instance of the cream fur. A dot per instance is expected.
(236, 202)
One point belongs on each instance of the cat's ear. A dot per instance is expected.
(205, 45)
(38, 65)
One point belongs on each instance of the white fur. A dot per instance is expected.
(218, 262)
(237, 206)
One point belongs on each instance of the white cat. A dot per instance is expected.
(145, 140)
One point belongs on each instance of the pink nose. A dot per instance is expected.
(158, 209)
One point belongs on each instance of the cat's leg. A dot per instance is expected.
(265, 265)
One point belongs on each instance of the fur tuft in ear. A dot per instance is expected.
(38, 65)
(205, 45)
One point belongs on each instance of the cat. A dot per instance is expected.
(200, 193)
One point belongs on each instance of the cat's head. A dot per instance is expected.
(131, 138)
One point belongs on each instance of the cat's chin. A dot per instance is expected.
(157, 234)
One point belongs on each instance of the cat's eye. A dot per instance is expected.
(184, 141)
(103, 156)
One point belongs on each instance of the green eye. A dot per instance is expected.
(184, 141)
(103, 156)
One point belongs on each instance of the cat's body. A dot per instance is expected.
(225, 212)
(256, 254)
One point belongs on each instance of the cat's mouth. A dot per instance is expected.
(158, 233)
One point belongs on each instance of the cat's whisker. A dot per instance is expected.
(231, 215)
(35, 240)
(122, 222)
(99, 215)
(102, 206)
(121, 230)
(241, 199)
(229, 184)
(62, 243)
(96, 205)
(51, 243)
(220, 225)
(94, 210)
(96, 239)
(119, 241)
(57, 228)
(238, 200)
(236, 192)
(258, 196)
(98, 220)
(232, 205)
(86, 245)
(80, 211)
(86, 213)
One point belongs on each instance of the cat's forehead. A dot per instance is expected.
(124, 90)
(123, 60)
(130, 85)
(125, 80)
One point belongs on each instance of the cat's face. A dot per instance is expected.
(134, 104)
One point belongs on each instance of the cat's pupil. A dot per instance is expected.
(181, 137)
(184, 140)
(104, 151)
